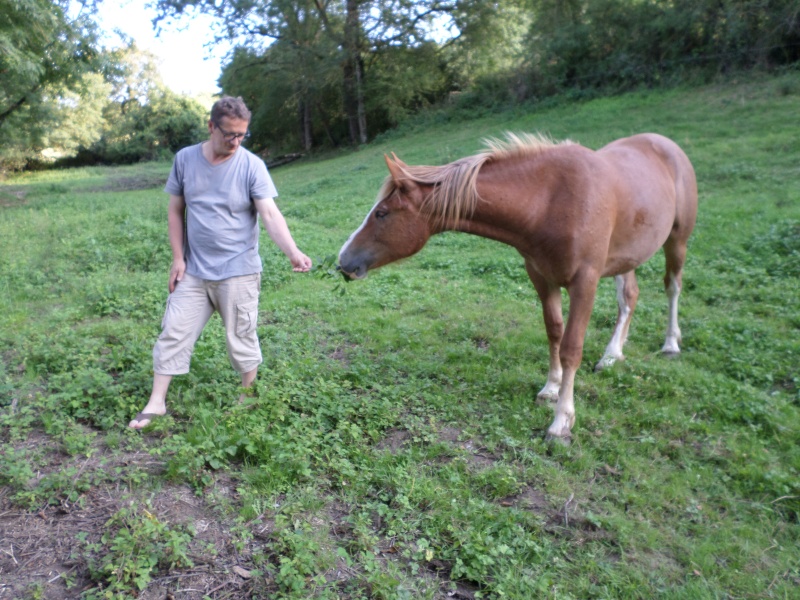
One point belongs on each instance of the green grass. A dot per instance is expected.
(394, 449)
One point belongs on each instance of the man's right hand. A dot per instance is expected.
(176, 274)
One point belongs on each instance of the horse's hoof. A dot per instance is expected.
(606, 362)
(670, 353)
(558, 439)
(546, 399)
(563, 438)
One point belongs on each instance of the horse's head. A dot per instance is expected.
(394, 228)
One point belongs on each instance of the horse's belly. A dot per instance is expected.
(636, 240)
(617, 265)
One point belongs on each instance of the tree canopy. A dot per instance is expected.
(141, 119)
(63, 95)
(328, 65)
(319, 72)
(336, 72)
(46, 60)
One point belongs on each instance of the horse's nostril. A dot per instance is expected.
(348, 275)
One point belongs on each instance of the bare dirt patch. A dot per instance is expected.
(528, 499)
(47, 549)
(394, 440)
(144, 181)
(45, 552)
(10, 197)
(341, 353)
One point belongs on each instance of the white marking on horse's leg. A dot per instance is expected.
(672, 343)
(549, 393)
(565, 409)
(613, 351)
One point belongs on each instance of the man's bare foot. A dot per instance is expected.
(154, 409)
(143, 419)
(247, 397)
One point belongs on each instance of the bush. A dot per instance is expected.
(141, 132)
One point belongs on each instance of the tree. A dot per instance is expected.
(40, 46)
(486, 56)
(347, 34)
(45, 59)
(623, 43)
(142, 118)
(133, 75)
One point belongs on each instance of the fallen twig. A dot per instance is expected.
(11, 554)
(282, 160)
(566, 505)
(219, 587)
(60, 575)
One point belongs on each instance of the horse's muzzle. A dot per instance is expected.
(354, 264)
(358, 272)
(346, 275)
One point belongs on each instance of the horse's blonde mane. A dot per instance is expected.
(523, 144)
(455, 194)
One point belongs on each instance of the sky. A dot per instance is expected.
(186, 66)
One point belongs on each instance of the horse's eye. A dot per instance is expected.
(381, 214)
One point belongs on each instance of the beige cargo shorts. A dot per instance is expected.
(190, 307)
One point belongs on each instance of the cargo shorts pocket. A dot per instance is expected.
(246, 318)
(166, 312)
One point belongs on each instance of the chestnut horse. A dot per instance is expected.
(574, 214)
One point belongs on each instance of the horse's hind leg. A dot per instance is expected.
(550, 296)
(675, 253)
(627, 295)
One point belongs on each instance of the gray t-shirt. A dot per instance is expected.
(221, 236)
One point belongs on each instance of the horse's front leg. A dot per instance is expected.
(550, 295)
(581, 300)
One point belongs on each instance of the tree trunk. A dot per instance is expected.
(305, 126)
(360, 109)
(326, 125)
(354, 76)
(350, 108)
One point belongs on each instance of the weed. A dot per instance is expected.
(15, 468)
(135, 546)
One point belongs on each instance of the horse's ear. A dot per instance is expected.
(394, 170)
(399, 175)
(398, 161)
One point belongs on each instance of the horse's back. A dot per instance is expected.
(655, 159)
(656, 197)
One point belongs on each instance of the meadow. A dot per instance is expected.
(393, 448)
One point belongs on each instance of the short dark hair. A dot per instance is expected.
(230, 107)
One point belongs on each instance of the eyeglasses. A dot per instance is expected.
(230, 136)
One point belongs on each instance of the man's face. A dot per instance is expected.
(227, 135)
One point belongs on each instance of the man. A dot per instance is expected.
(217, 190)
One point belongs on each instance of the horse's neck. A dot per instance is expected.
(503, 214)
(493, 229)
